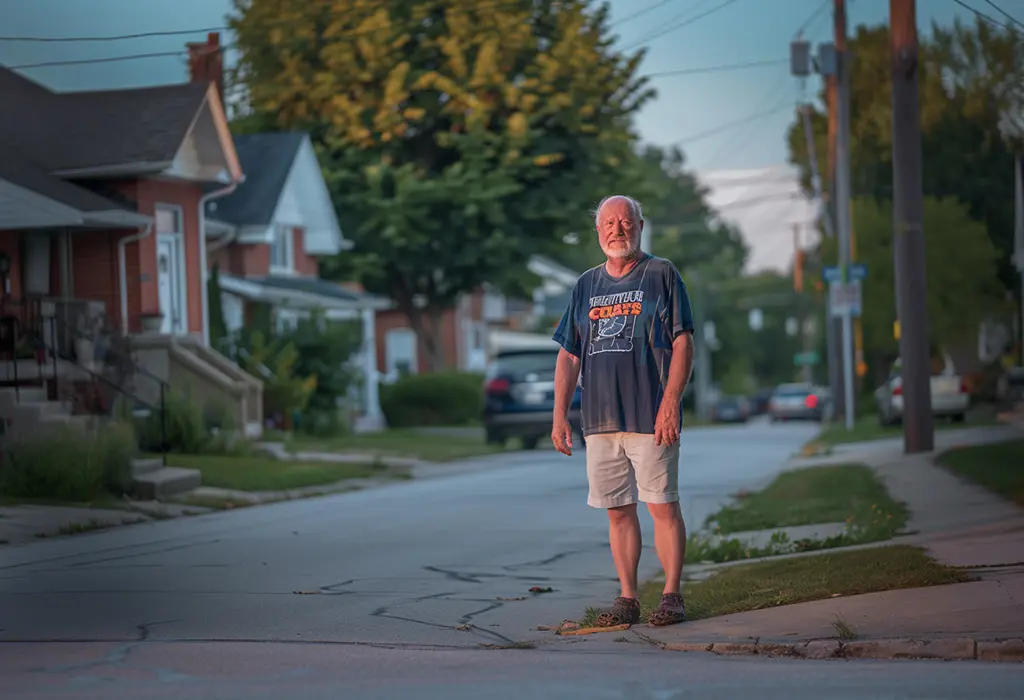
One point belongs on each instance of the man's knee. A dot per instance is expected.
(622, 514)
(665, 512)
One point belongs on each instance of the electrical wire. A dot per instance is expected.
(640, 13)
(685, 23)
(107, 59)
(982, 15)
(730, 125)
(719, 68)
(1005, 14)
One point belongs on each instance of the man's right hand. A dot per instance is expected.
(561, 436)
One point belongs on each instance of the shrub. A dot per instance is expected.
(186, 429)
(70, 464)
(440, 398)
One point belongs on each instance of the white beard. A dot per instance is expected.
(630, 251)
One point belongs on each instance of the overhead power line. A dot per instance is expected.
(982, 15)
(719, 68)
(1004, 13)
(731, 125)
(640, 13)
(685, 23)
(107, 59)
(113, 37)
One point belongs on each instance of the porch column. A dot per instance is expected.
(373, 417)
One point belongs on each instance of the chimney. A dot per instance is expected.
(206, 63)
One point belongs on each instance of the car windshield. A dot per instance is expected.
(792, 391)
(520, 363)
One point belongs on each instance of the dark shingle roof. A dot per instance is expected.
(308, 285)
(75, 130)
(266, 160)
(17, 169)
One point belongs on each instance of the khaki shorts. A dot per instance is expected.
(625, 467)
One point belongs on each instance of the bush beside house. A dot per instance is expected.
(439, 398)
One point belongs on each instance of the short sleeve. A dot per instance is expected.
(680, 314)
(568, 332)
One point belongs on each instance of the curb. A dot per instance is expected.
(946, 649)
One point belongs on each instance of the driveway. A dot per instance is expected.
(430, 564)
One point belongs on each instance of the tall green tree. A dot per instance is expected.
(458, 136)
(960, 265)
(972, 122)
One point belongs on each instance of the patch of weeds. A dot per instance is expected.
(513, 645)
(843, 630)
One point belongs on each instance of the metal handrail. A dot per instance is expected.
(134, 367)
(55, 355)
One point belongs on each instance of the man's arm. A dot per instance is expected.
(680, 368)
(567, 374)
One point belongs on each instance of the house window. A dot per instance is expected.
(168, 219)
(281, 257)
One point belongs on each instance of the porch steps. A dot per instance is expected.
(146, 465)
(165, 481)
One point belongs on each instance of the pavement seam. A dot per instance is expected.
(1007, 649)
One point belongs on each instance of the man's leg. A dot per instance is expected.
(657, 475)
(624, 535)
(669, 541)
(613, 488)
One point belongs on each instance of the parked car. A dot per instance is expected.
(797, 402)
(519, 397)
(950, 395)
(731, 409)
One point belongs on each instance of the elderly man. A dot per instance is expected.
(628, 329)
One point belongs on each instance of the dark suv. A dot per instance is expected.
(519, 397)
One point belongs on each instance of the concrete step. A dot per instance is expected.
(9, 399)
(146, 465)
(164, 482)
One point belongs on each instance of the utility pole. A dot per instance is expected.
(843, 196)
(834, 324)
(801, 301)
(908, 243)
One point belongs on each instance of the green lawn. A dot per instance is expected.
(257, 473)
(868, 428)
(998, 467)
(399, 443)
(843, 493)
(746, 587)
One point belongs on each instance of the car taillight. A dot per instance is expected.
(964, 389)
(898, 391)
(498, 386)
(811, 401)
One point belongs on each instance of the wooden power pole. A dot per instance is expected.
(908, 243)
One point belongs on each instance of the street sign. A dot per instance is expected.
(844, 299)
(803, 359)
(858, 273)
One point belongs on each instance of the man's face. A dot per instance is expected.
(618, 229)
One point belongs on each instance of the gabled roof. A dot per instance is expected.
(266, 160)
(71, 131)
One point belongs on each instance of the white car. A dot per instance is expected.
(950, 397)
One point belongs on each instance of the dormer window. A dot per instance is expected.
(282, 249)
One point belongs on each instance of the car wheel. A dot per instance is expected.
(493, 437)
(530, 443)
(959, 418)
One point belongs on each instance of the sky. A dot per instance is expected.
(693, 111)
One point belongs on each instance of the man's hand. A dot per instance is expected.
(561, 436)
(666, 427)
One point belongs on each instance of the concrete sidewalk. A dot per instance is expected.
(959, 524)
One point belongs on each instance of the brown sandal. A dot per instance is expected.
(671, 611)
(625, 611)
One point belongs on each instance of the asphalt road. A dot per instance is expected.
(402, 591)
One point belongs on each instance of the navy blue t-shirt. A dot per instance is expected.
(622, 330)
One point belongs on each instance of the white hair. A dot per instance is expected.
(634, 207)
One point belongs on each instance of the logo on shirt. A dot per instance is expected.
(613, 321)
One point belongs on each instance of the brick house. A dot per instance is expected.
(102, 206)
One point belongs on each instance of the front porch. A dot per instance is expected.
(293, 298)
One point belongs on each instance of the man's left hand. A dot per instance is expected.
(666, 427)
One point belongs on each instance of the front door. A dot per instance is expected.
(171, 286)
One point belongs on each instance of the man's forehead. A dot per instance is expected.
(617, 205)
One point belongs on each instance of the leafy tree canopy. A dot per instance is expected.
(458, 136)
(971, 88)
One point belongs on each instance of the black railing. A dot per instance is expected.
(115, 361)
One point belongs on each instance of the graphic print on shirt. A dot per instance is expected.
(613, 319)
